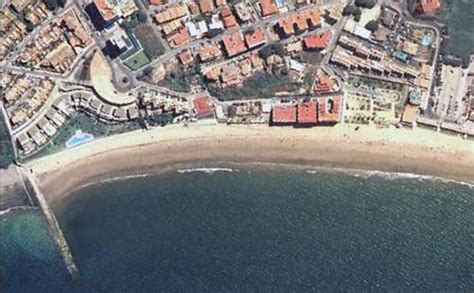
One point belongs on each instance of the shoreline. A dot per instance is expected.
(419, 151)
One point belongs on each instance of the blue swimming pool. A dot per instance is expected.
(426, 41)
(78, 139)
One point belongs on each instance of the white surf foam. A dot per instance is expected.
(206, 170)
(387, 175)
(19, 208)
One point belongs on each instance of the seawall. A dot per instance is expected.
(54, 229)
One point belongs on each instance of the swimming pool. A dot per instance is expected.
(78, 139)
(426, 41)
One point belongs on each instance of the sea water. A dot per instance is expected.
(251, 228)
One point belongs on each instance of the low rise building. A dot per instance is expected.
(283, 114)
(268, 8)
(171, 13)
(318, 41)
(234, 43)
(209, 52)
(298, 22)
(307, 113)
(330, 110)
(255, 38)
(202, 106)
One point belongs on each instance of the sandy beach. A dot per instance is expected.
(419, 151)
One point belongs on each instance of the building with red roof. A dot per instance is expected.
(155, 2)
(284, 114)
(207, 6)
(268, 7)
(428, 6)
(308, 113)
(228, 18)
(298, 22)
(179, 38)
(255, 38)
(202, 106)
(193, 7)
(234, 43)
(318, 41)
(185, 57)
(330, 110)
(323, 84)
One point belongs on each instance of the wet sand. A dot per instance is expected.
(418, 151)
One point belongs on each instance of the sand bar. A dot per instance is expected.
(417, 151)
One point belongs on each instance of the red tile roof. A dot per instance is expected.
(301, 20)
(234, 43)
(226, 11)
(193, 7)
(320, 40)
(155, 2)
(105, 9)
(206, 6)
(230, 21)
(307, 112)
(202, 106)
(430, 6)
(268, 7)
(185, 57)
(284, 114)
(255, 38)
(181, 37)
(323, 84)
(329, 110)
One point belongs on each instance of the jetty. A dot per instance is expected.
(54, 228)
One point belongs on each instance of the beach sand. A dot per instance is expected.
(418, 151)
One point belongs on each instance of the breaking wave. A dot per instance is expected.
(387, 175)
(206, 170)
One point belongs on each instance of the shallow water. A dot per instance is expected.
(256, 229)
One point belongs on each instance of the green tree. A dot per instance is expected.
(365, 3)
(54, 4)
(372, 25)
(141, 16)
(357, 13)
(348, 10)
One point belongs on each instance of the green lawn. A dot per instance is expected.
(137, 61)
(459, 17)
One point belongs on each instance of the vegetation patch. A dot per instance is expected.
(458, 15)
(137, 61)
(179, 79)
(150, 42)
(260, 86)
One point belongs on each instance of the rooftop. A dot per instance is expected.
(255, 38)
(284, 114)
(234, 43)
(202, 106)
(429, 6)
(268, 7)
(307, 112)
(105, 9)
(329, 110)
(320, 40)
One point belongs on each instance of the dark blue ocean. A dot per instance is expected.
(256, 229)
